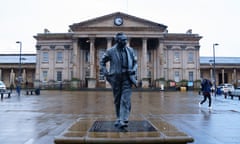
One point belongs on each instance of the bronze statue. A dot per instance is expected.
(121, 76)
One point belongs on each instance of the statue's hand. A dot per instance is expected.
(105, 73)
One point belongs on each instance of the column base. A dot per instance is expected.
(91, 83)
(145, 83)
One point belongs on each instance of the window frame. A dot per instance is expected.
(45, 57)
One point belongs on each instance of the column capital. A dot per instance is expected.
(92, 39)
(144, 38)
(109, 38)
(74, 39)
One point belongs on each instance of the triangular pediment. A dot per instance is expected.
(108, 21)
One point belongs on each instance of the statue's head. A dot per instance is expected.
(121, 39)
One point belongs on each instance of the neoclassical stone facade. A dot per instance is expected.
(227, 69)
(11, 69)
(76, 54)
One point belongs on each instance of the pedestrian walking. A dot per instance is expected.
(206, 91)
(121, 76)
(11, 87)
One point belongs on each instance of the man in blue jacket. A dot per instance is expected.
(121, 76)
(206, 89)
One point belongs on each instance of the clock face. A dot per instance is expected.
(118, 21)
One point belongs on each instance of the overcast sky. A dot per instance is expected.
(217, 21)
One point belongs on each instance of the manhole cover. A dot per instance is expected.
(133, 126)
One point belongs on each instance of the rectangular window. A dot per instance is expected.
(45, 57)
(190, 76)
(45, 76)
(59, 57)
(176, 57)
(59, 76)
(190, 57)
(176, 76)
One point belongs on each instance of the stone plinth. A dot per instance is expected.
(140, 130)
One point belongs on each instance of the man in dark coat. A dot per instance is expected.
(206, 89)
(121, 76)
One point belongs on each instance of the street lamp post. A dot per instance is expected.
(214, 69)
(19, 72)
(211, 70)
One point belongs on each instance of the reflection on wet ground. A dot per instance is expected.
(39, 119)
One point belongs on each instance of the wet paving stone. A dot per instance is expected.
(31, 119)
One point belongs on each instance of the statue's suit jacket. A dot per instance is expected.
(113, 56)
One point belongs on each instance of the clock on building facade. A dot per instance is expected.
(118, 21)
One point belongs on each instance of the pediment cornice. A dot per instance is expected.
(106, 22)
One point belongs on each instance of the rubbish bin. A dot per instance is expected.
(37, 91)
(218, 92)
(183, 88)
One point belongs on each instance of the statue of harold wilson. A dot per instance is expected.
(121, 76)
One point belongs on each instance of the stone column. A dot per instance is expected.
(183, 63)
(234, 77)
(222, 76)
(81, 56)
(109, 45)
(160, 64)
(75, 63)
(24, 75)
(109, 42)
(66, 62)
(161, 68)
(75, 59)
(128, 42)
(144, 69)
(38, 70)
(38, 61)
(52, 62)
(197, 63)
(92, 79)
(12, 77)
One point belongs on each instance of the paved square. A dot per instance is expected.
(32, 119)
